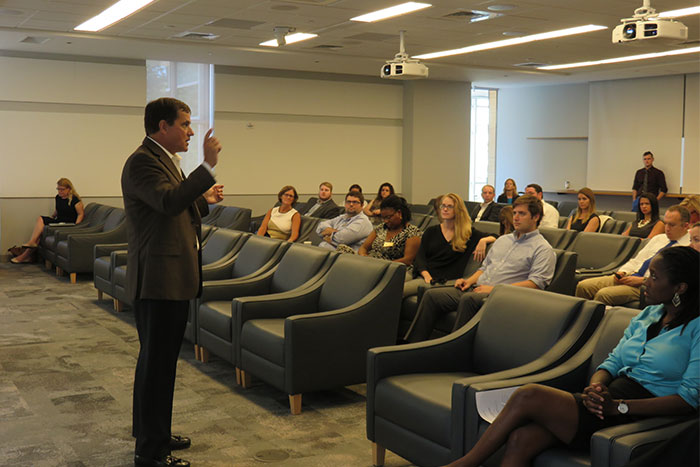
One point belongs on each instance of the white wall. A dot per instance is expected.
(541, 136)
(280, 130)
(691, 167)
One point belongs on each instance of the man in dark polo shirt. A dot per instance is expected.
(648, 180)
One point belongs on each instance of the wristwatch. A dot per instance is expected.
(622, 407)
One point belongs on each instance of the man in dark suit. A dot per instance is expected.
(324, 207)
(488, 210)
(163, 215)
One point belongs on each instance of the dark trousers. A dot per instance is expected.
(161, 327)
(436, 303)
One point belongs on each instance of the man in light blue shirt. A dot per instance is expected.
(522, 258)
(351, 228)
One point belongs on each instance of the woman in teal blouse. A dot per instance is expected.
(654, 370)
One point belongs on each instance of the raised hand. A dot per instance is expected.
(212, 147)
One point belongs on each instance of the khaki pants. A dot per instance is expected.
(605, 290)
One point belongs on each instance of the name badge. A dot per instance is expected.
(388, 244)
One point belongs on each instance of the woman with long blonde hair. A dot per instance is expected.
(445, 248)
(585, 219)
(69, 209)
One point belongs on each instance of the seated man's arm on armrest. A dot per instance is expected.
(544, 262)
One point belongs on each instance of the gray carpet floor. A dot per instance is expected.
(66, 372)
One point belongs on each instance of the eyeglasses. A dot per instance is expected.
(351, 201)
(449, 207)
(287, 195)
(388, 217)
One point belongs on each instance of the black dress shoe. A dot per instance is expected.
(165, 461)
(179, 442)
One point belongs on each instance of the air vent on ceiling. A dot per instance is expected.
(531, 64)
(234, 23)
(197, 35)
(34, 40)
(328, 46)
(472, 15)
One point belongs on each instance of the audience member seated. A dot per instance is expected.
(325, 207)
(283, 221)
(648, 224)
(623, 286)
(395, 239)
(488, 210)
(350, 229)
(550, 216)
(505, 219)
(692, 204)
(653, 371)
(445, 248)
(585, 219)
(523, 258)
(695, 236)
(373, 209)
(356, 187)
(68, 208)
(510, 192)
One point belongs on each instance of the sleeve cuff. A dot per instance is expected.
(209, 168)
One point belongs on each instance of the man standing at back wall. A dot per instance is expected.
(648, 179)
(163, 215)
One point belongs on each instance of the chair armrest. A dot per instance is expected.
(105, 249)
(219, 270)
(64, 234)
(229, 289)
(615, 446)
(118, 258)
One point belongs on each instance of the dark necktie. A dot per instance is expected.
(645, 184)
(645, 264)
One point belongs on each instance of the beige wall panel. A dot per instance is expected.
(691, 165)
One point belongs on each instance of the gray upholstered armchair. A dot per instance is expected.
(600, 254)
(300, 267)
(417, 402)
(102, 269)
(317, 339)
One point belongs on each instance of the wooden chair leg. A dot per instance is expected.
(99, 294)
(118, 305)
(203, 354)
(295, 403)
(196, 352)
(59, 271)
(246, 379)
(47, 263)
(238, 376)
(73, 277)
(378, 453)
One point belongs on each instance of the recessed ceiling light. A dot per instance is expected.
(503, 7)
(111, 15)
(402, 9)
(290, 39)
(628, 58)
(693, 10)
(514, 41)
(512, 33)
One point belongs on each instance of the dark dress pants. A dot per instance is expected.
(161, 327)
(436, 303)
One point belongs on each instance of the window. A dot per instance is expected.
(192, 83)
(482, 163)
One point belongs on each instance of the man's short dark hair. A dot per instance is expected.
(681, 210)
(648, 153)
(537, 188)
(356, 194)
(533, 205)
(165, 108)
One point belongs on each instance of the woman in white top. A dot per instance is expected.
(283, 221)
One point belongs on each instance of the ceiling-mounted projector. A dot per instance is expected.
(646, 24)
(402, 67)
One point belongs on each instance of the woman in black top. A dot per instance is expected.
(648, 223)
(585, 219)
(446, 248)
(373, 210)
(69, 209)
(510, 192)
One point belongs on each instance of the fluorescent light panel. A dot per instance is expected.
(290, 39)
(111, 15)
(628, 58)
(693, 10)
(514, 41)
(402, 9)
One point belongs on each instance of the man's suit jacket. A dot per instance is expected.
(327, 210)
(163, 218)
(490, 214)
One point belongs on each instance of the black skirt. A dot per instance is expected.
(620, 388)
